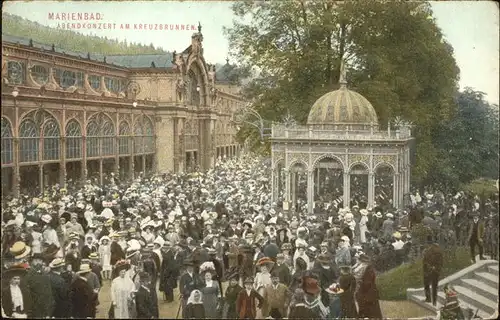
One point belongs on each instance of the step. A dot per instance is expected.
(464, 305)
(472, 298)
(488, 278)
(419, 299)
(481, 288)
(493, 268)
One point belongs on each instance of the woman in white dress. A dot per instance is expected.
(363, 228)
(263, 279)
(105, 256)
(122, 291)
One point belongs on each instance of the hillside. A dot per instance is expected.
(70, 40)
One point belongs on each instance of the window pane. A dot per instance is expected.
(108, 140)
(124, 142)
(73, 140)
(92, 139)
(138, 145)
(28, 141)
(40, 74)
(79, 79)
(51, 140)
(6, 151)
(68, 79)
(15, 72)
(95, 82)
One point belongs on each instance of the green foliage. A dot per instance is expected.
(486, 187)
(71, 40)
(467, 142)
(392, 285)
(396, 56)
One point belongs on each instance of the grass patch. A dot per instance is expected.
(392, 285)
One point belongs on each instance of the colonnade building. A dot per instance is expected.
(70, 116)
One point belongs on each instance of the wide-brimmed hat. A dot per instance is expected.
(20, 250)
(14, 271)
(84, 268)
(396, 235)
(310, 285)
(94, 256)
(57, 263)
(122, 265)
(188, 263)
(334, 289)
(403, 229)
(248, 280)
(266, 261)
(286, 246)
(364, 258)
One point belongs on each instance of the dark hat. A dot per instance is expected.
(310, 285)
(188, 263)
(248, 280)
(51, 251)
(323, 258)
(14, 271)
(246, 249)
(233, 276)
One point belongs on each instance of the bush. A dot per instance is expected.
(482, 187)
(392, 285)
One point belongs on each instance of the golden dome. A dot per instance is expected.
(342, 106)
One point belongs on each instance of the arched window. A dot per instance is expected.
(149, 140)
(92, 139)
(7, 152)
(94, 82)
(124, 139)
(138, 141)
(108, 138)
(73, 140)
(194, 88)
(51, 136)
(15, 72)
(29, 136)
(40, 74)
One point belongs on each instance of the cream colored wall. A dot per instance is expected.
(156, 87)
(165, 144)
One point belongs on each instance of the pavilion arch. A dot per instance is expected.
(279, 162)
(328, 156)
(384, 166)
(100, 118)
(359, 166)
(297, 162)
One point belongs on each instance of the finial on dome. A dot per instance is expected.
(227, 60)
(343, 76)
(199, 27)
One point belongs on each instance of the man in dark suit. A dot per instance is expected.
(188, 282)
(476, 234)
(432, 265)
(144, 299)
(60, 290)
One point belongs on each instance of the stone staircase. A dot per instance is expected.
(476, 286)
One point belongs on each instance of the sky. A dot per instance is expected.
(471, 27)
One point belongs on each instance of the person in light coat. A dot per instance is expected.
(122, 288)
(363, 225)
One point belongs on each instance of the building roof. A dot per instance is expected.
(122, 60)
(342, 106)
(227, 73)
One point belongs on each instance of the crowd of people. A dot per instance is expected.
(195, 232)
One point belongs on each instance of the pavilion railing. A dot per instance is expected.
(308, 133)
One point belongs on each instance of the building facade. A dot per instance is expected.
(68, 116)
(341, 147)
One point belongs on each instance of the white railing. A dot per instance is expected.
(307, 133)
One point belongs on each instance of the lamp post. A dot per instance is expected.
(17, 178)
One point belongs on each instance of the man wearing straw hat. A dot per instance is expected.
(60, 290)
(82, 296)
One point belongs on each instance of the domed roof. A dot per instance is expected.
(342, 106)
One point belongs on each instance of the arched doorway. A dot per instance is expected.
(298, 185)
(384, 185)
(328, 180)
(358, 186)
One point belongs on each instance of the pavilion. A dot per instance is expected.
(340, 152)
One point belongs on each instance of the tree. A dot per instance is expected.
(395, 54)
(468, 142)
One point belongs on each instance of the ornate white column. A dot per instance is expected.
(395, 192)
(347, 184)
(273, 185)
(371, 188)
(317, 181)
(310, 191)
(287, 185)
(401, 190)
(294, 183)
